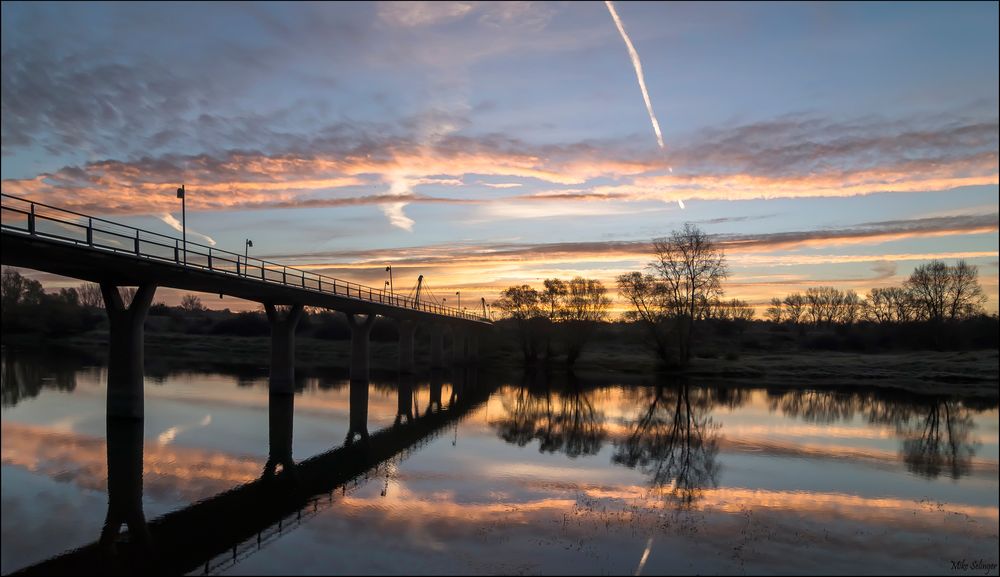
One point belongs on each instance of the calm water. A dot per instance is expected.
(458, 472)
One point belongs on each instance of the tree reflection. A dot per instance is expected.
(23, 376)
(562, 421)
(935, 431)
(674, 440)
(938, 441)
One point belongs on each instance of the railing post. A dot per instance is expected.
(90, 231)
(177, 251)
(137, 242)
(209, 259)
(284, 275)
(31, 220)
(237, 265)
(303, 279)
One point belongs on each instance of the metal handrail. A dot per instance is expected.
(132, 240)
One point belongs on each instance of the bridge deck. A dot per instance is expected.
(67, 243)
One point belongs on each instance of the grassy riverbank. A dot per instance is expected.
(961, 373)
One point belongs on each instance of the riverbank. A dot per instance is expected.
(952, 373)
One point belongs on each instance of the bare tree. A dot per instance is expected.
(965, 295)
(521, 304)
(90, 295)
(552, 297)
(888, 305)
(795, 305)
(647, 295)
(585, 306)
(941, 292)
(692, 268)
(192, 304)
(774, 313)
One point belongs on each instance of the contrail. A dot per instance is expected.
(638, 70)
(175, 224)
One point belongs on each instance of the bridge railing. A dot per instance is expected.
(53, 223)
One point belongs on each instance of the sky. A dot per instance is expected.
(485, 145)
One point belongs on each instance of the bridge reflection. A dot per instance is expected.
(217, 531)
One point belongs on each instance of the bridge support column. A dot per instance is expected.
(125, 351)
(360, 330)
(437, 384)
(124, 484)
(437, 346)
(280, 412)
(282, 379)
(357, 429)
(404, 399)
(407, 330)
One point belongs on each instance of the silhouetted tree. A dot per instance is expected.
(941, 292)
(521, 304)
(647, 296)
(90, 295)
(692, 268)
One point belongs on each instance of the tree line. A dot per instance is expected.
(935, 292)
(682, 292)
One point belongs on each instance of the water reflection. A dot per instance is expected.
(191, 538)
(935, 431)
(24, 375)
(673, 440)
(280, 415)
(124, 488)
(563, 420)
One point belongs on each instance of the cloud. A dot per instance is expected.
(346, 162)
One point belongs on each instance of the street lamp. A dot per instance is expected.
(388, 269)
(180, 195)
(459, 294)
(246, 257)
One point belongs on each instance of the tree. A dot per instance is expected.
(795, 305)
(585, 305)
(521, 304)
(552, 297)
(888, 305)
(692, 268)
(16, 290)
(90, 295)
(774, 313)
(192, 304)
(941, 292)
(647, 295)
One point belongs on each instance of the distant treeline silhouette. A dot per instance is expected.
(27, 308)
(679, 303)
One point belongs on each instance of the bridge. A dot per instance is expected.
(68, 243)
(211, 535)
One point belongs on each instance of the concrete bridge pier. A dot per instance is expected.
(404, 399)
(124, 485)
(282, 378)
(407, 332)
(280, 413)
(125, 351)
(437, 384)
(437, 346)
(360, 330)
(357, 428)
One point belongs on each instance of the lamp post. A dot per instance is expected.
(459, 294)
(388, 269)
(246, 257)
(180, 195)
